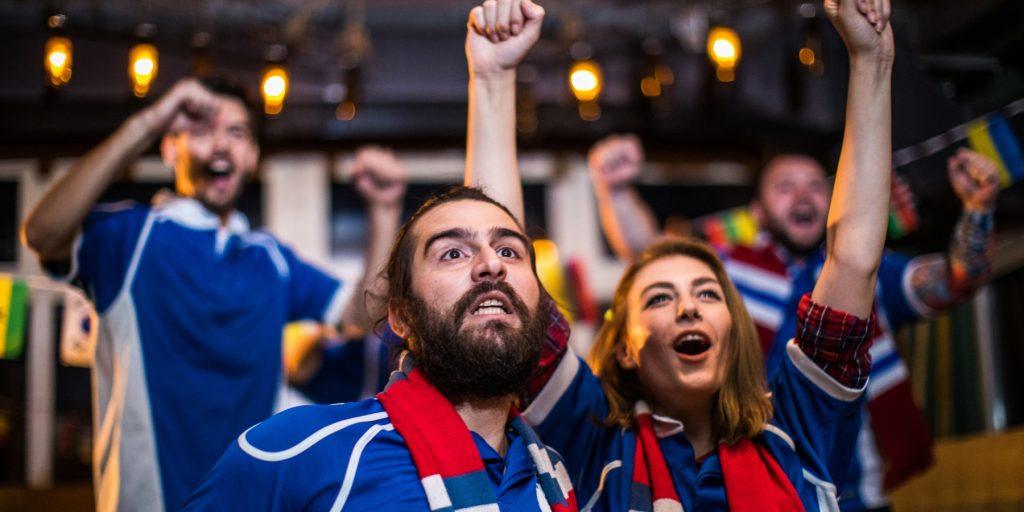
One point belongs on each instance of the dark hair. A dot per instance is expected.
(224, 85)
(398, 270)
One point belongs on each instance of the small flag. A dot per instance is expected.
(727, 228)
(13, 305)
(903, 217)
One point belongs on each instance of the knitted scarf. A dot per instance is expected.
(754, 482)
(447, 459)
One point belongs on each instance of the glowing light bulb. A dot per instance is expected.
(57, 61)
(143, 62)
(724, 50)
(586, 80)
(275, 88)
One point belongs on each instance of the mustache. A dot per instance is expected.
(462, 306)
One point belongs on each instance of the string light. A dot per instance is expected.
(143, 63)
(586, 80)
(274, 87)
(724, 50)
(58, 53)
(58, 59)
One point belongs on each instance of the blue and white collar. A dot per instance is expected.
(191, 213)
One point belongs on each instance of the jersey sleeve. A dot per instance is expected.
(896, 291)
(239, 482)
(103, 250)
(568, 414)
(816, 400)
(312, 293)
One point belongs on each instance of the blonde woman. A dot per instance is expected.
(677, 413)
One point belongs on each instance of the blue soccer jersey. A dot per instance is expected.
(189, 353)
(771, 282)
(345, 457)
(811, 410)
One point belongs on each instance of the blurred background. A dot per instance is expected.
(711, 87)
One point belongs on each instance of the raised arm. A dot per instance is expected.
(51, 227)
(858, 213)
(500, 33)
(381, 179)
(628, 223)
(942, 281)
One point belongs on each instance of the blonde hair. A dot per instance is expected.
(742, 405)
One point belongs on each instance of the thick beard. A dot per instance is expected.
(480, 363)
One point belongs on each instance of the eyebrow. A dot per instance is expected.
(668, 286)
(456, 233)
(659, 284)
(499, 233)
(466, 234)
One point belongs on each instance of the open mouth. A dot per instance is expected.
(219, 168)
(692, 344)
(802, 217)
(491, 304)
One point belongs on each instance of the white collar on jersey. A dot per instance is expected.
(665, 426)
(191, 213)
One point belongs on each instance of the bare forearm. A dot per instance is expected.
(54, 221)
(491, 162)
(367, 306)
(858, 212)
(628, 223)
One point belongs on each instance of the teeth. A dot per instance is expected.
(220, 166)
(491, 302)
(489, 311)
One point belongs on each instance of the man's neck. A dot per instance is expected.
(488, 419)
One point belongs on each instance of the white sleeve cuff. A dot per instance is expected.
(819, 377)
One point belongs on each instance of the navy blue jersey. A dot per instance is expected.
(344, 457)
(189, 353)
(772, 281)
(810, 409)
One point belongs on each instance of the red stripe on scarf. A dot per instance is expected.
(754, 482)
(426, 419)
(649, 466)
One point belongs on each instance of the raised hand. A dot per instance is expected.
(975, 179)
(500, 34)
(616, 160)
(864, 26)
(378, 176)
(185, 106)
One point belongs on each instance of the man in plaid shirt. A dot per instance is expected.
(781, 265)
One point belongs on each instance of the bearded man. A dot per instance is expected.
(463, 293)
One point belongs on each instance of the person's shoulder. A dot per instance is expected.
(312, 428)
(126, 208)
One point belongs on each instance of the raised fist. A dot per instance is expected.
(616, 160)
(864, 26)
(500, 33)
(975, 179)
(185, 106)
(378, 176)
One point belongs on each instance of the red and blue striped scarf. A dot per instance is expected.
(447, 459)
(754, 482)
